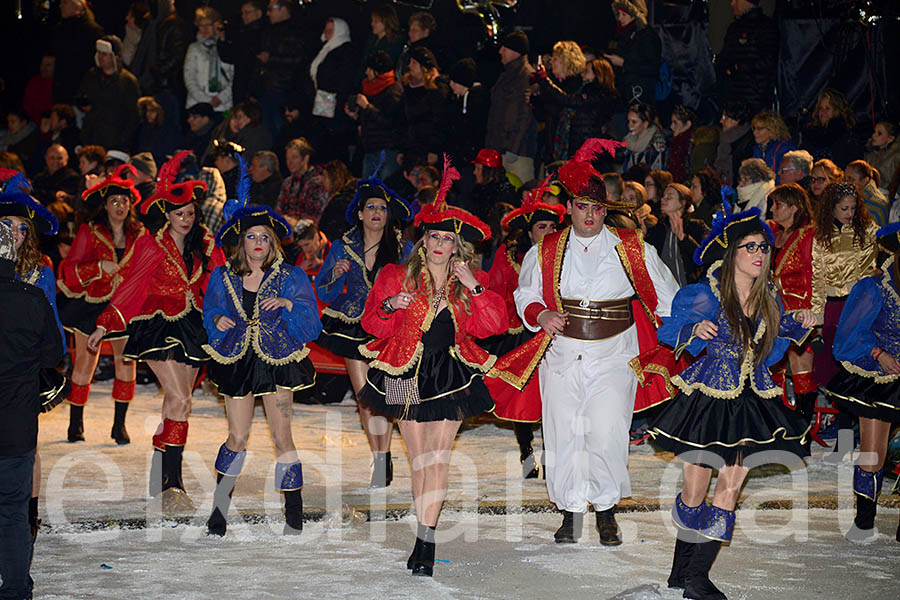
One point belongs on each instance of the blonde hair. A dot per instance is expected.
(772, 121)
(573, 58)
(416, 264)
(239, 263)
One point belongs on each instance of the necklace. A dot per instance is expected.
(594, 239)
(375, 245)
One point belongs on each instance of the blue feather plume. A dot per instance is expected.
(242, 199)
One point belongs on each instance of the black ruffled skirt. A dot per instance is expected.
(252, 375)
(342, 338)
(498, 345)
(159, 339)
(448, 388)
(863, 397)
(80, 316)
(54, 388)
(732, 428)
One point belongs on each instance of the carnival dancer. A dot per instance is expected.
(89, 275)
(528, 224)
(793, 235)
(867, 343)
(344, 282)
(427, 369)
(160, 303)
(575, 290)
(27, 219)
(727, 408)
(258, 313)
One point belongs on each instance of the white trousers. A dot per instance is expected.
(587, 391)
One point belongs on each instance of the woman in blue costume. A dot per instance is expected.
(345, 281)
(27, 218)
(867, 344)
(728, 408)
(259, 313)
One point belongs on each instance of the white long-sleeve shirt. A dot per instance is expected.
(593, 275)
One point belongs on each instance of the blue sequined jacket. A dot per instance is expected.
(720, 373)
(277, 336)
(348, 304)
(43, 278)
(870, 319)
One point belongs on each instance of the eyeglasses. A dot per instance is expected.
(22, 228)
(752, 247)
(786, 169)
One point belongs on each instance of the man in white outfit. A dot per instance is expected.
(577, 286)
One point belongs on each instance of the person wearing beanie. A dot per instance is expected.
(112, 92)
(747, 65)
(37, 345)
(201, 120)
(468, 112)
(511, 127)
(379, 111)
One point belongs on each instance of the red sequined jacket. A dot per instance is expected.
(503, 278)
(81, 273)
(399, 343)
(792, 268)
(158, 283)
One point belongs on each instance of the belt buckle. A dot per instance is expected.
(584, 303)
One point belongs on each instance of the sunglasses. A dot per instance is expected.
(752, 247)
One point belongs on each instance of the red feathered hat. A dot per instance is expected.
(534, 209)
(441, 216)
(579, 177)
(169, 195)
(114, 185)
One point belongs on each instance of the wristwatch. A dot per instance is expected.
(477, 290)
(386, 306)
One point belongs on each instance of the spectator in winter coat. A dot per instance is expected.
(468, 112)
(830, 132)
(421, 27)
(645, 141)
(748, 63)
(73, 46)
(201, 122)
(266, 178)
(165, 79)
(112, 93)
(637, 52)
(773, 140)
(245, 128)
(331, 75)
(225, 159)
(425, 105)
(883, 152)
(240, 48)
(21, 136)
(280, 62)
(511, 127)
(755, 181)
(341, 188)
(385, 36)
(735, 140)
(157, 134)
(206, 77)
(379, 110)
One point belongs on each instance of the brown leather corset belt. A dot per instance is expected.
(596, 320)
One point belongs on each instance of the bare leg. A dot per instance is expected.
(239, 412)
(413, 436)
(125, 370)
(696, 482)
(728, 486)
(378, 429)
(85, 361)
(873, 436)
(436, 440)
(279, 410)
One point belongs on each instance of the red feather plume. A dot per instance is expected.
(122, 168)
(169, 170)
(449, 175)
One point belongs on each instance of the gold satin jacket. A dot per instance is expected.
(836, 270)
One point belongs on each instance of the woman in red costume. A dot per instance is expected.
(95, 266)
(160, 303)
(792, 269)
(427, 369)
(527, 224)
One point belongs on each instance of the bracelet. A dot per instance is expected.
(386, 306)
(876, 352)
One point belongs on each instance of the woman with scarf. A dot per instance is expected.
(345, 281)
(206, 77)
(27, 219)
(97, 263)
(755, 181)
(677, 235)
(527, 224)
(868, 346)
(727, 409)
(331, 74)
(645, 141)
(159, 304)
(426, 368)
(258, 313)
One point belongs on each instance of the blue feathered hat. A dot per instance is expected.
(889, 237)
(728, 228)
(15, 201)
(249, 216)
(373, 187)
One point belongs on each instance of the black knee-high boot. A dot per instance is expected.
(293, 512)
(75, 432)
(119, 433)
(382, 470)
(172, 468)
(524, 437)
(423, 563)
(217, 523)
(697, 585)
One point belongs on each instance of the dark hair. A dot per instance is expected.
(662, 179)
(793, 195)
(147, 103)
(250, 109)
(193, 241)
(489, 174)
(737, 110)
(425, 20)
(387, 14)
(64, 111)
(390, 245)
(710, 184)
(644, 111)
(19, 113)
(380, 62)
(338, 174)
(306, 229)
(431, 172)
(825, 226)
(604, 73)
(92, 153)
(259, 5)
(11, 160)
(685, 114)
(140, 11)
(131, 224)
